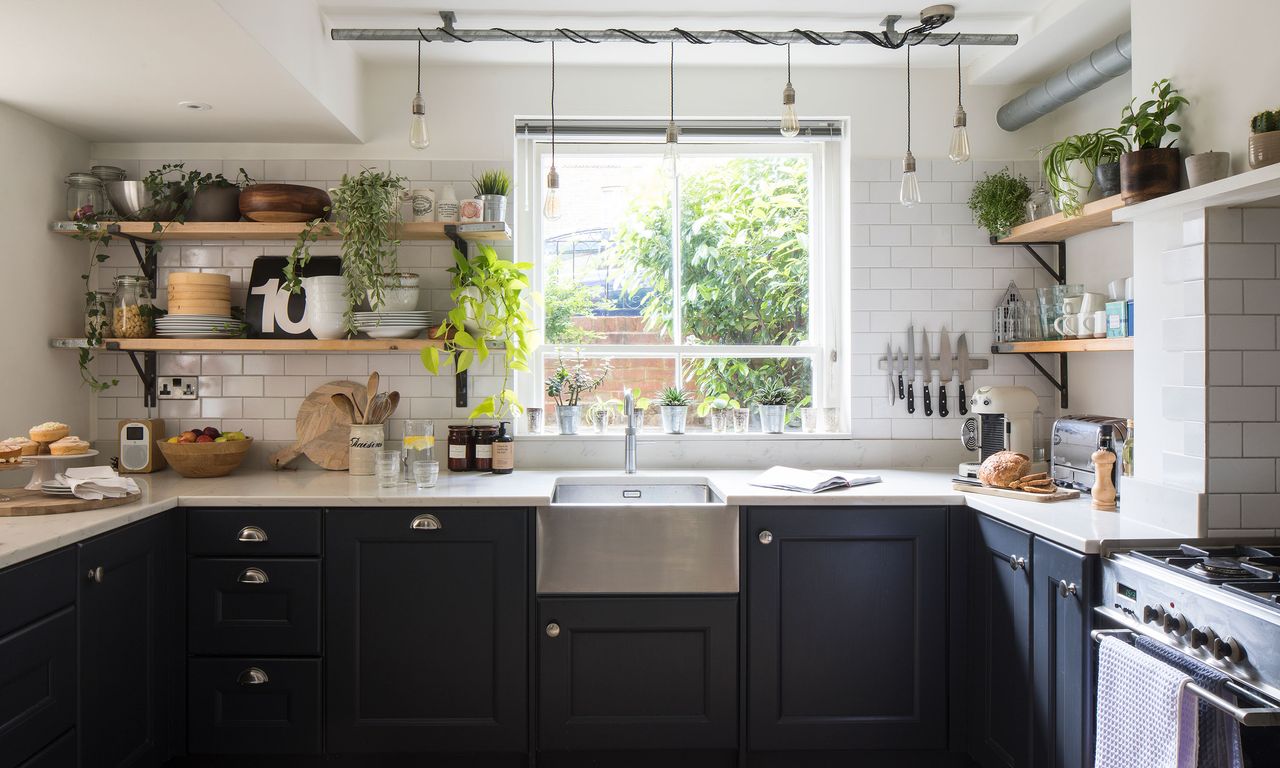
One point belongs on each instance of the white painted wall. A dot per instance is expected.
(41, 292)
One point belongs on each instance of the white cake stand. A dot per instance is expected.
(48, 466)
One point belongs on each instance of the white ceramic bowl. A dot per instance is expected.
(326, 324)
(401, 299)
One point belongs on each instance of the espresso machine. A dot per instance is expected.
(1002, 419)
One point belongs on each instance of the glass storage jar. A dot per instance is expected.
(97, 314)
(131, 311)
(484, 436)
(85, 196)
(107, 174)
(462, 448)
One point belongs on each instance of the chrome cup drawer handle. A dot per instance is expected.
(426, 523)
(253, 576)
(253, 676)
(252, 533)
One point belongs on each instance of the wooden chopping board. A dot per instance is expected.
(1061, 494)
(25, 503)
(324, 432)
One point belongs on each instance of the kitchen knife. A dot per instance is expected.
(962, 362)
(944, 372)
(888, 366)
(925, 375)
(911, 369)
(897, 367)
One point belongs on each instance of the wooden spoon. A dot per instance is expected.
(343, 403)
(371, 390)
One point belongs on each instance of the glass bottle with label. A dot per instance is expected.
(504, 451)
(461, 448)
(1126, 453)
(484, 436)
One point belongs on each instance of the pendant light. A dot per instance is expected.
(909, 194)
(418, 138)
(789, 126)
(959, 135)
(670, 156)
(551, 198)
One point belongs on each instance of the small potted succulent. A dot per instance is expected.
(566, 386)
(774, 400)
(1154, 168)
(674, 403)
(1264, 139)
(998, 202)
(720, 408)
(600, 413)
(491, 190)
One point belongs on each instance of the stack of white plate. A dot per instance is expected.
(393, 325)
(55, 488)
(198, 327)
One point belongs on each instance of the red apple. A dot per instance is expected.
(204, 439)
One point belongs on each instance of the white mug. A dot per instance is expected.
(1092, 302)
(424, 204)
(1067, 326)
(1115, 289)
(1071, 305)
(1099, 324)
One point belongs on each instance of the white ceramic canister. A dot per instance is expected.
(424, 204)
(366, 441)
(447, 206)
(471, 210)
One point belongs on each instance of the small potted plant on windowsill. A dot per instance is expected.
(1151, 170)
(774, 400)
(566, 386)
(600, 413)
(491, 190)
(720, 408)
(674, 404)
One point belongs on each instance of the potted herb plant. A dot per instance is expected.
(491, 190)
(719, 407)
(673, 404)
(367, 206)
(1154, 168)
(566, 386)
(1264, 139)
(999, 201)
(774, 400)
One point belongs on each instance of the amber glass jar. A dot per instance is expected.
(462, 448)
(484, 447)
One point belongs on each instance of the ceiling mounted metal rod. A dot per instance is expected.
(652, 37)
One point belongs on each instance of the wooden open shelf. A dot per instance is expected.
(1058, 227)
(1066, 345)
(253, 345)
(255, 230)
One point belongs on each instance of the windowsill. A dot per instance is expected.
(694, 436)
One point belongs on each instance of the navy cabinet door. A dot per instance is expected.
(131, 691)
(426, 630)
(1063, 656)
(638, 673)
(1000, 645)
(846, 628)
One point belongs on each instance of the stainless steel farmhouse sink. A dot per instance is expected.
(637, 535)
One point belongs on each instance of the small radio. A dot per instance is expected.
(138, 451)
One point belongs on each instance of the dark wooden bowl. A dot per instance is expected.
(283, 202)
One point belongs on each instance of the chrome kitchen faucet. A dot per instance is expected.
(629, 434)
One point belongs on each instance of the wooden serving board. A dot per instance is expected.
(324, 432)
(1062, 494)
(24, 503)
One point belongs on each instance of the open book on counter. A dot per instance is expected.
(810, 480)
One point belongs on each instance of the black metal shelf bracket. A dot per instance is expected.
(1059, 382)
(460, 395)
(1059, 274)
(146, 254)
(147, 373)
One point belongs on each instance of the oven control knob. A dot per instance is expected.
(1175, 623)
(1153, 614)
(1202, 637)
(1227, 648)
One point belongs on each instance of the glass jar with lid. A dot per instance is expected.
(132, 311)
(484, 436)
(84, 196)
(107, 174)
(462, 448)
(98, 313)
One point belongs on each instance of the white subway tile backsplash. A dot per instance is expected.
(930, 278)
(325, 170)
(1260, 225)
(1262, 297)
(1261, 439)
(221, 407)
(242, 386)
(932, 235)
(1241, 404)
(1249, 261)
(1242, 332)
(1224, 225)
(889, 278)
(1226, 369)
(1242, 476)
(911, 256)
(305, 365)
(883, 234)
(1224, 297)
(1224, 510)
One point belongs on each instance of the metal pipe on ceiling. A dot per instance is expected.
(849, 37)
(1103, 64)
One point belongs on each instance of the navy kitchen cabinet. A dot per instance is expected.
(253, 706)
(638, 673)
(1001, 704)
(427, 630)
(131, 589)
(1063, 656)
(846, 624)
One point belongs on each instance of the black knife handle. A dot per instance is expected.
(902, 393)
(911, 397)
(964, 401)
(928, 399)
(942, 400)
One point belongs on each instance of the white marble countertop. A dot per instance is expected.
(1072, 523)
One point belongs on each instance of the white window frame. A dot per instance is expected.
(829, 314)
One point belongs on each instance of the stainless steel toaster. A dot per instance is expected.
(1075, 438)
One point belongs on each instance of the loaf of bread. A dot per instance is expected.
(1003, 469)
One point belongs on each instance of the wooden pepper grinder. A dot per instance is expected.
(1104, 462)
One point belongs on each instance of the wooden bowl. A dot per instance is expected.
(283, 202)
(205, 459)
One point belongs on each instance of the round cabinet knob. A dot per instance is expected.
(1227, 648)
(1066, 589)
(553, 630)
(253, 676)
(1174, 623)
(1202, 637)
(766, 537)
(1017, 563)
(95, 575)
(1153, 614)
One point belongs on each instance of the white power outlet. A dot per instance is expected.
(177, 388)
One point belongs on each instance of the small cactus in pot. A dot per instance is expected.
(1264, 139)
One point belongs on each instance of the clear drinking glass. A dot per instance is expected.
(387, 468)
(536, 420)
(741, 420)
(809, 419)
(419, 443)
(425, 473)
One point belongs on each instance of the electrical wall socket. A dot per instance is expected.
(177, 388)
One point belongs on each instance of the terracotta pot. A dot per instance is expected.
(1264, 149)
(1146, 174)
(1206, 167)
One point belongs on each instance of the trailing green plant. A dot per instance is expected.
(495, 182)
(367, 206)
(1149, 123)
(1089, 148)
(1265, 121)
(774, 392)
(568, 383)
(717, 403)
(998, 202)
(97, 319)
(488, 308)
(173, 189)
(674, 397)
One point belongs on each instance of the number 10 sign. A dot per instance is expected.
(271, 311)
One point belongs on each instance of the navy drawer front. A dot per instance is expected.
(59, 754)
(37, 686)
(253, 706)
(253, 606)
(36, 588)
(252, 532)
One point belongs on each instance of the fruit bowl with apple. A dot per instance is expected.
(205, 452)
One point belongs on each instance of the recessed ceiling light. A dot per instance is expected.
(195, 106)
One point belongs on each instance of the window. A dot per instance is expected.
(743, 291)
